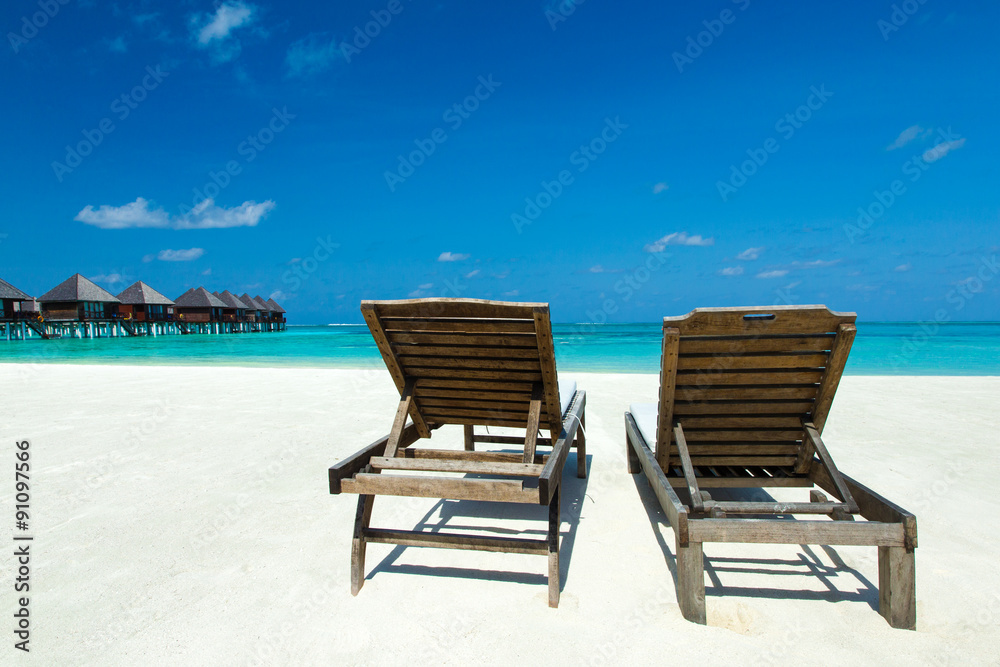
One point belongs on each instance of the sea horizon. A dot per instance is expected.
(881, 348)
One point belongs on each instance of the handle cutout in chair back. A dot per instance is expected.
(763, 317)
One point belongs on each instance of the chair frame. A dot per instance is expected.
(668, 463)
(528, 477)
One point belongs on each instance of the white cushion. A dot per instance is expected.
(567, 389)
(645, 416)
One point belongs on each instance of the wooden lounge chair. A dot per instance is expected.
(473, 363)
(744, 396)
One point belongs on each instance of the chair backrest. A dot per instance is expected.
(741, 381)
(469, 361)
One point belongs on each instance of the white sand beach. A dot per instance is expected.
(182, 516)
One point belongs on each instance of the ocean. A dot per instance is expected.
(881, 348)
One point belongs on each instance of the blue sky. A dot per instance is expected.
(623, 161)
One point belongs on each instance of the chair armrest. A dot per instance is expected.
(357, 461)
(551, 475)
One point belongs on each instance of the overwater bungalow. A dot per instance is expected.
(79, 308)
(144, 311)
(235, 314)
(277, 314)
(199, 311)
(255, 313)
(14, 313)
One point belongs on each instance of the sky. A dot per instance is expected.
(621, 161)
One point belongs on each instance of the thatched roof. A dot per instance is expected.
(251, 302)
(275, 308)
(141, 294)
(230, 300)
(8, 291)
(261, 306)
(78, 288)
(198, 297)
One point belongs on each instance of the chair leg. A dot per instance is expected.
(581, 449)
(633, 458)
(897, 590)
(554, 524)
(691, 582)
(470, 443)
(360, 545)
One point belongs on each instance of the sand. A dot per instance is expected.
(182, 516)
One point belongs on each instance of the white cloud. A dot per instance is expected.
(278, 295)
(772, 274)
(472, 274)
(228, 17)
(660, 187)
(815, 264)
(905, 137)
(513, 292)
(312, 54)
(108, 279)
(902, 268)
(452, 257)
(188, 255)
(425, 286)
(678, 238)
(416, 294)
(205, 215)
(207, 272)
(750, 254)
(136, 214)
(940, 150)
(731, 271)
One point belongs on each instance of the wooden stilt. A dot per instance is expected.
(360, 544)
(897, 590)
(470, 434)
(691, 581)
(555, 521)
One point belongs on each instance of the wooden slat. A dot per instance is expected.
(831, 379)
(742, 435)
(396, 326)
(433, 413)
(770, 531)
(531, 430)
(449, 351)
(688, 468)
(547, 363)
(668, 386)
(699, 394)
(678, 482)
(461, 455)
(740, 507)
(774, 377)
(457, 364)
(743, 460)
(370, 313)
(844, 493)
(808, 320)
(510, 440)
(405, 405)
(507, 406)
(741, 421)
(456, 308)
(437, 393)
(474, 385)
(519, 469)
(744, 449)
(751, 361)
(408, 538)
(476, 421)
(498, 340)
(510, 491)
(732, 408)
(734, 344)
(461, 374)
(356, 462)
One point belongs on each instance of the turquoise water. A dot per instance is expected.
(880, 349)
